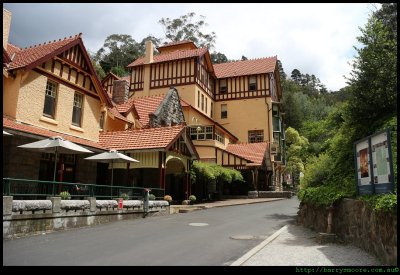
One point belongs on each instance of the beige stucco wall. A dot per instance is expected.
(245, 115)
(31, 101)
(10, 95)
(6, 26)
(114, 124)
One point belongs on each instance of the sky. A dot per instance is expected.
(316, 39)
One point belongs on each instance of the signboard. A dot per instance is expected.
(373, 162)
(363, 168)
(382, 162)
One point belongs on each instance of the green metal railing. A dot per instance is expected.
(36, 189)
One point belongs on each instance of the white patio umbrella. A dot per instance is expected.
(111, 157)
(6, 133)
(56, 145)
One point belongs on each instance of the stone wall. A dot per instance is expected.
(270, 194)
(24, 218)
(354, 222)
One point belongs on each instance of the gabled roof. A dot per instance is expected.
(147, 105)
(31, 57)
(114, 111)
(254, 152)
(6, 57)
(110, 74)
(179, 54)
(150, 138)
(11, 49)
(42, 52)
(14, 125)
(245, 67)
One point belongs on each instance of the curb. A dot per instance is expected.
(254, 250)
(208, 207)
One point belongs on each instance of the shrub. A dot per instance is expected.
(152, 197)
(65, 195)
(192, 198)
(125, 196)
(168, 198)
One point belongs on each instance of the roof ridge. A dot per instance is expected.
(52, 41)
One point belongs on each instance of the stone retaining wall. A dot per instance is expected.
(354, 222)
(23, 218)
(270, 194)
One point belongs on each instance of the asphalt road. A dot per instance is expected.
(167, 240)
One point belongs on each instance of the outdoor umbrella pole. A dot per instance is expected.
(55, 166)
(112, 175)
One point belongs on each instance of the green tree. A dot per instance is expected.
(99, 70)
(282, 73)
(296, 76)
(119, 50)
(373, 79)
(186, 27)
(296, 153)
(217, 58)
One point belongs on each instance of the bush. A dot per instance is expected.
(124, 196)
(382, 202)
(152, 197)
(65, 195)
(192, 198)
(324, 195)
(168, 198)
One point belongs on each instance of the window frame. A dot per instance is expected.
(251, 83)
(224, 113)
(225, 90)
(255, 136)
(76, 109)
(102, 119)
(52, 98)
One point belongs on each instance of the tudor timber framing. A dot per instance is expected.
(137, 83)
(176, 72)
(238, 88)
(70, 84)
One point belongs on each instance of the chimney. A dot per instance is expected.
(120, 91)
(149, 52)
(6, 26)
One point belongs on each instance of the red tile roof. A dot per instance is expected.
(175, 43)
(151, 138)
(114, 111)
(125, 107)
(147, 105)
(14, 125)
(11, 49)
(245, 67)
(179, 54)
(252, 151)
(26, 56)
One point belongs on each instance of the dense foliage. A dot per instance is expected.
(333, 121)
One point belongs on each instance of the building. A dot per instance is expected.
(228, 107)
(51, 89)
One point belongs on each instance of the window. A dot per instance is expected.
(202, 102)
(276, 121)
(198, 99)
(222, 86)
(50, 99)
(212, 110)
(256, 136)
(206, 106)
(252, 83)
(224, 111)
(77, 111)
(102, 116)
(201, 132)
(219, 137)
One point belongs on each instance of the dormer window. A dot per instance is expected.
(222, 86)
(252, 83)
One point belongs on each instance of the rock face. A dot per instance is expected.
(354, 222)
